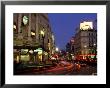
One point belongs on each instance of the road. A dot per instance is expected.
(87, 70)
(64, 68)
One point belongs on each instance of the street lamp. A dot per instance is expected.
(57, 49)
(43, 35)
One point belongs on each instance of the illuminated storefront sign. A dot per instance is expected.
(38, 50)
(86, 25)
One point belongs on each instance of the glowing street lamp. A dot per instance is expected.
(57, 49)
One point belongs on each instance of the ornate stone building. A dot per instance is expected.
(33, 37)
(86, 41)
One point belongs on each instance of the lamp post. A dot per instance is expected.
(43, 35)
(95, 49)
(57, 50)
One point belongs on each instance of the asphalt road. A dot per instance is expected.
(86, 70)
(60, 70)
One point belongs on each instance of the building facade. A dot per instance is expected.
(70, 49)
(32, 37)
(70, 46)
(86, 41)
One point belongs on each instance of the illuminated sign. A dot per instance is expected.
(86, 25)
(38, 50)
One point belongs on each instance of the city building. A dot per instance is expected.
(33, 38)
(70, 49)
(70, 46)
(85, 41)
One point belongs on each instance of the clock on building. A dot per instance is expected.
(25, 20)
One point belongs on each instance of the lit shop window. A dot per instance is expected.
(32, 33)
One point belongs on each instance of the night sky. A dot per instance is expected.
(64, 25)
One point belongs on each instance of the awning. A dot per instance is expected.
(29, 47)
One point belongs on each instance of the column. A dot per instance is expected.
(29, 29)
(19, 22)
(37, 27)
